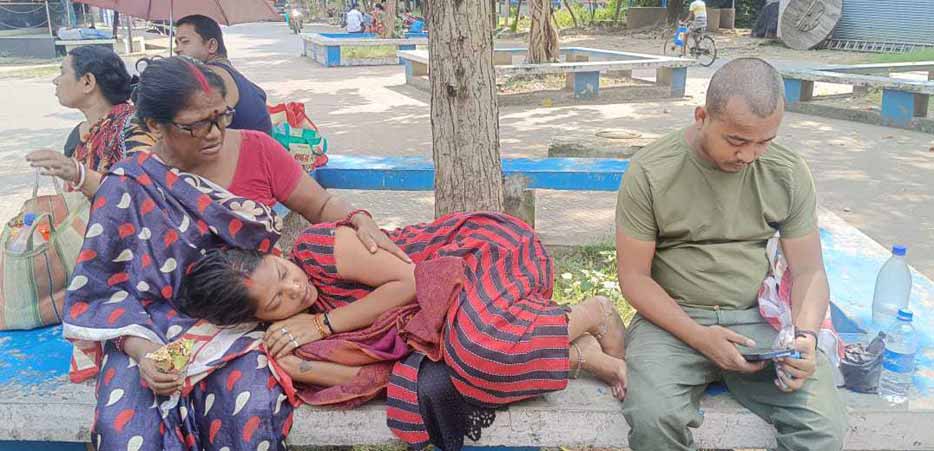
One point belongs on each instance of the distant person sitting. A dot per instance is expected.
(200, 37)
(413, 23)
(355, 20)
(377, 16)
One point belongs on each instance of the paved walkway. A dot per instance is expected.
(879, 179)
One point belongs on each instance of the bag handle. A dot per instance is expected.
(58, 191)
(55, 183)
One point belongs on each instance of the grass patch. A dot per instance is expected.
(910, 57)
(588, 271)
(35, 72)
(379, 51)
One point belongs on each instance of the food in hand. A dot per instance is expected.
(173, 357)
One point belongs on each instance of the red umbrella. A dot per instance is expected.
(227, 12)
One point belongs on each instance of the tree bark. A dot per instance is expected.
(543, 36)
(464, 112)
(619, 9)
(515, 22)
(389, 19)
(675, 8)
(571, 12)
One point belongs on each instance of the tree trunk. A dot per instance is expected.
(571, 12)
(675, 8)
(543, 36)
(515, 22)
(389, 19)
(619, 9)
(464, 112)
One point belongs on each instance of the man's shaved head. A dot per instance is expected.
(753, 80)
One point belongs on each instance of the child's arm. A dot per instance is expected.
(393, 280)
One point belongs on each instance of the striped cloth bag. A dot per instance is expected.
(33, 281)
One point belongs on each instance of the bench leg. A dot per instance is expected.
(304, 47)
(519, 201)
(899, 107)
(502, 59)
(405, 47)
(413, 70)
(675, 77)
(333, 56)
(586, 85)
(798, 91)
(931, 75)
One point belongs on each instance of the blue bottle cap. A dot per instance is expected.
(905, 314)
(29, 218)
(899, 250)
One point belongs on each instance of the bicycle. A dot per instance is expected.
(704, 48)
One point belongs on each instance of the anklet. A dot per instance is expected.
(580, 361)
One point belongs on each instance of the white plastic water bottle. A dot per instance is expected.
(898, 360)
(893, 289)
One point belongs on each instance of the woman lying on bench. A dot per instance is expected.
(468, 327)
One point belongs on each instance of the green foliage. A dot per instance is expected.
(910, 57)
(588, 271)
(377, 51)
(747, 11)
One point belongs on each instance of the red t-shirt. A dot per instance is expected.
(266, 172)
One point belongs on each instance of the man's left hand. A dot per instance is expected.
(792, 373)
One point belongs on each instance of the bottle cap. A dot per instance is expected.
(899, 250)
(29, 218)
(905, 314)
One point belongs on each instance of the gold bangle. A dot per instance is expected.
(319, 324)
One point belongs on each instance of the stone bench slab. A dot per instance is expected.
(856, 79)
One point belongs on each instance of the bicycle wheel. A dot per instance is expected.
(706, 51)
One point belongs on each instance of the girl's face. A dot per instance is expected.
(280, 289)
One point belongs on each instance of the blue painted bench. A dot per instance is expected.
(37, 404)
(582, 66)
(327, 49)
(904, 102)
(522, 176)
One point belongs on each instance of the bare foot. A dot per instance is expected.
(610, 330)
(607, 368)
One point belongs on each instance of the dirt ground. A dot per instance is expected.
(879, 179)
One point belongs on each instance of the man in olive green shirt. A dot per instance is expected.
(695, 211)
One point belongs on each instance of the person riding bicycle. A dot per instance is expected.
(698, 19)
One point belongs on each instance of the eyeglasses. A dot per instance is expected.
(201, 128)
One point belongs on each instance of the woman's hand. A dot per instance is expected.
(373, 238)
(284, 337)
(53, 163)
(160, 383)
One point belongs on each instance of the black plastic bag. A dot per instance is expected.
(862, 365)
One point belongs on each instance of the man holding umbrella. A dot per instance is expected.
(200, 37)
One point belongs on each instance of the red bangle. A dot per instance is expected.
(348, 220)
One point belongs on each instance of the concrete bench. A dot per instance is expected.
(522, 175)
(39, 405)
(72, 44)
(582, 67)
(904, 102)
(327, 49)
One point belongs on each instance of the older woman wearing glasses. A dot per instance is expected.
(200, 186)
